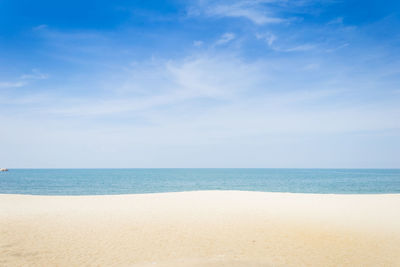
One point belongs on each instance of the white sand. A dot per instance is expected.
(209, 228)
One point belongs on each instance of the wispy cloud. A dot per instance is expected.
(243, 11)
(35, 75)
(225, 38)
(12, 84)
(269, 38)
(25, 79)
(255, 11)
(337, 48)
(303, 47)
(215, 101)
(40, 27)
(198, 43)
(224, 87)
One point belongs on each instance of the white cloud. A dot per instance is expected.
(214, 76)
(173, 82)
(198, 43)
(304, 47)
(225, 38)
(40, 27)
(312, 66)
(227, 91)
(35, 75)
(329, 50)
(218, 103)
(24, 79)
(11, 84)
(269, 38)
(255, 11)
(240, 10)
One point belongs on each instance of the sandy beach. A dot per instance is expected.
(205, 228)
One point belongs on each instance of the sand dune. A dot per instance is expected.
(208, 228)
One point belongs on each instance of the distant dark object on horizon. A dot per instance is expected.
(3, 170)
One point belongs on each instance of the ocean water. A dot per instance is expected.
(132, 181)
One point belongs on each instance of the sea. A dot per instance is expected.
(139, 181)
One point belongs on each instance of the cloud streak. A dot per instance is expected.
(25, 79)
(12, 84)
(254, 11)
(225, 38)
(225, 90)
(35, 75)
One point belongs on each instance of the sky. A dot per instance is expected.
(193, 84)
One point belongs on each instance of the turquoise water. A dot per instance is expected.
(131, 181)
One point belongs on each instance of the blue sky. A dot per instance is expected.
(263, 83)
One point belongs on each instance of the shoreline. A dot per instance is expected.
(201, 228)
(208, 190)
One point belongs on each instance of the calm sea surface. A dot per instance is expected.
(130, 181)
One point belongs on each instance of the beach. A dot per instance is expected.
(200, 228)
